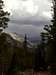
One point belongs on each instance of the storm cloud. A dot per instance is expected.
(28, 16)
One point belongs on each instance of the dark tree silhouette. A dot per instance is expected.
(51, 41)
(43, 52)
(3, 16)
(3, 24)
(25, 42)
(25, 49)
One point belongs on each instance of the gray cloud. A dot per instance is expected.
(31, 28)
(27, 21)
(30, 22)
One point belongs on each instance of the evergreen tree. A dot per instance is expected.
(3, 24)
(25, 42)
(51, 41)
(25, 50)
(3, 16)
(43, 51)
(51, 31)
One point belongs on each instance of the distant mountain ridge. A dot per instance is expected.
(19, 39)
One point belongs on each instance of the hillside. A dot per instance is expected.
(18, 39)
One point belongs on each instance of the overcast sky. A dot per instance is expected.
(28, 16)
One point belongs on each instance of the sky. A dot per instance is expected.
(28, 16)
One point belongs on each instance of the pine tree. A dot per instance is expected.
(25, 42)
(3, 24)
(3, 17)
(43, 50)
(51, 41)
(25, 50)
(51, 30)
